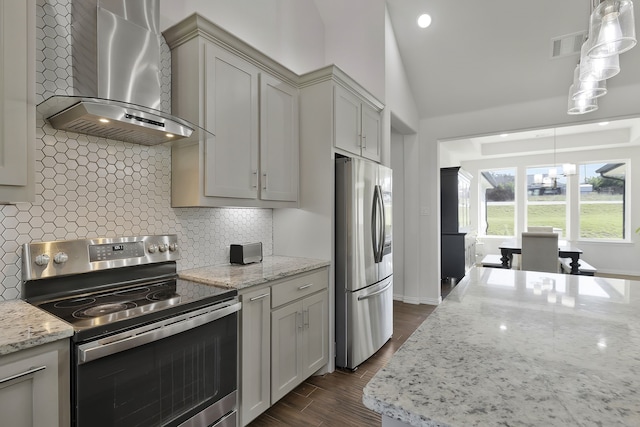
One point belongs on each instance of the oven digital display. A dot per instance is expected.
(111, 252)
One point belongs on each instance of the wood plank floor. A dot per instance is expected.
(335, 399)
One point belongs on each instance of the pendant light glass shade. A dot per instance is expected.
(587, 88)
(581, 105)
(597, 68)
(611, 29)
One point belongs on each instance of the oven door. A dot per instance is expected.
(178, 372)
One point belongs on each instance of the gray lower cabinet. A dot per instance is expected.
(299, 332)
(34, 386)
(255, 341)
(284, 334)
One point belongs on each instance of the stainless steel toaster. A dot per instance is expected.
(245, 253)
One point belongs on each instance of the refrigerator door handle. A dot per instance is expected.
(371, 295)
(383, 221)
(377, 221)
(374, 223)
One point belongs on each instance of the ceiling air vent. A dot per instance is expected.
(567, 45)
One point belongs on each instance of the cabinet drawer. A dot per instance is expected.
(298, 287)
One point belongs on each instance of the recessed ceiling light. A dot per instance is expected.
(424, 20)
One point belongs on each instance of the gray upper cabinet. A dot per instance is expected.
(357, 125)
(17, 101)
(250, 103)
(278, 140)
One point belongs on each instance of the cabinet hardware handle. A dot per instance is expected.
(364, 139)
(264, 181)
(255, 179)
(305, 286)
(23, 374)
(258, 297)
(299, 319)
(305, 317)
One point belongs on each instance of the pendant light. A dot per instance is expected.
(581, 105)
(553, 172)
(587, 88)
(612, 29)
(597, 68)
(611, 32)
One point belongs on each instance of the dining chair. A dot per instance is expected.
(540, 228)
(540, 251)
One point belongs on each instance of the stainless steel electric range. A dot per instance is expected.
(149, 349)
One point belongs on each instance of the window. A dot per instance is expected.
(602, 200)
(547, 197)
(499, 202)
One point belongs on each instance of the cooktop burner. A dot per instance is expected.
(112, 306)
(103, 286)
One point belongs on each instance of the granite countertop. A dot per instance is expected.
(239, 277)
(25, 326)
(519, 348)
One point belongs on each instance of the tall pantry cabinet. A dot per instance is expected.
(457, 238)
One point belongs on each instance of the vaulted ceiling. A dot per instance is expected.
(481, 54)
(478, 55)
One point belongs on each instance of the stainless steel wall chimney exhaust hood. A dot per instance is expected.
(115, 52)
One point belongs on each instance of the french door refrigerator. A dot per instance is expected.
(364, 267)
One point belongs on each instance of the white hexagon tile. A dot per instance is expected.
(93, 187)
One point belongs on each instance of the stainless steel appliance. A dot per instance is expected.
(116, 59)
(149, 349)
(364, 267)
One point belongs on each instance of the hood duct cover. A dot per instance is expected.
(115, 48)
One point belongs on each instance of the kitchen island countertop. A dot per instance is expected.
(519, 348)
(25, 326)
(235, 276)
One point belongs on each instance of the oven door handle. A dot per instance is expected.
(156, 331)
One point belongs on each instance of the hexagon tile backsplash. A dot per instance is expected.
(93, 187)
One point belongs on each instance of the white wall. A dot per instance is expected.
(355, 40)
(402, 119)
(397, 165)
(619, 102)
(289, 31)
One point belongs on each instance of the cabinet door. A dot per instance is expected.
(347, 120)
(17, 92)
(315, 333)
(231, 112)
(255, 367)
(278, 140)
(286, 357)
(371, 135)
(29, 391)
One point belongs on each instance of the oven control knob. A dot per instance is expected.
(152, 248)
(173, 247)
(162, 247)
(42, 260)
(60, 258)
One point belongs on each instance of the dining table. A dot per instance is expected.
(565, 250)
